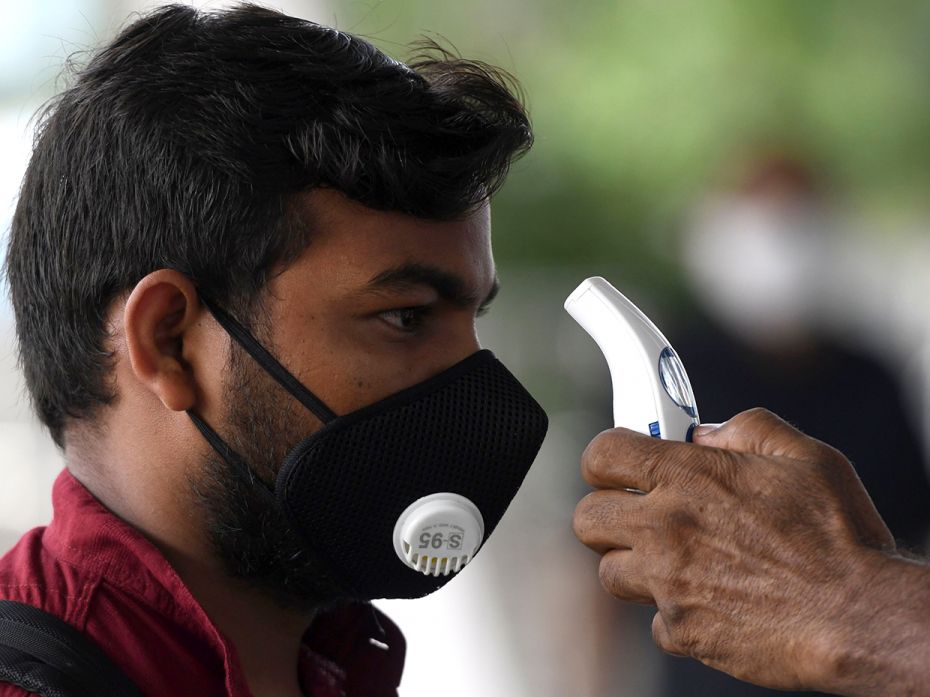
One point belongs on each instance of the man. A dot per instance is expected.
(246, 264)
(764, 556)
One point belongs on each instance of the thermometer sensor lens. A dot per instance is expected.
(675, 381)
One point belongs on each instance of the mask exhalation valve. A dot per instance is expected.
(438, 534)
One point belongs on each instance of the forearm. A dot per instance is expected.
(882, 644)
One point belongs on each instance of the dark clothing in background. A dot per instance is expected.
(832, 393)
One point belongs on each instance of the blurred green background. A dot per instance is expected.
(639, 105)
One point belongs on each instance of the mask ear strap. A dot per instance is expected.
(230, 455)
(271, 365)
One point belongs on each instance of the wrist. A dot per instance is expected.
(874, 642)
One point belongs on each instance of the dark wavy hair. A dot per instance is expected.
(183, 144)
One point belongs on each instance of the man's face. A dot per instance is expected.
(379, 301)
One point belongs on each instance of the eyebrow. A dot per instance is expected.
(449, 286)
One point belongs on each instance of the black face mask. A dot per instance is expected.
(394, 498)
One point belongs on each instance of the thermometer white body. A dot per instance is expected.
(651, 390)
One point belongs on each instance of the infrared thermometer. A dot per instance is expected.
(652, 393)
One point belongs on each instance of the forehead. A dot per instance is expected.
(350, 244)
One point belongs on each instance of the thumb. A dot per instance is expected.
(761, 432)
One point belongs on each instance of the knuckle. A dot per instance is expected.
(612, 576)
(726, 471)
(599, 516)
(679, 635)
(607, 575)
(663, 638)
(678, 587)
(708, 470)
(660, 634)
(660, 461)
(673, 614)
(595, 455)
(672, 551)
(584, 517)
(679, 522)
(663, 570)
(827, 455)
(759, 421)
(688, 643)
(757, 416)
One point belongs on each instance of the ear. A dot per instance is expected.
(161, 309)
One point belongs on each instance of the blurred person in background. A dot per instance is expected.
(215, 193)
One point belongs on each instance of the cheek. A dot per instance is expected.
(358, 380)
(348, 363)
(347, 373)
(355, 378)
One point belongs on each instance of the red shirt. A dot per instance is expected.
(101, 575)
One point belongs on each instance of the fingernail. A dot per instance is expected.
(706, 429)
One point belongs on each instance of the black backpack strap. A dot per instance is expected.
(43, 654)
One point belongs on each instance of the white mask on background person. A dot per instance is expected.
(759, 266)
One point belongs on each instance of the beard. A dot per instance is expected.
(248, 532)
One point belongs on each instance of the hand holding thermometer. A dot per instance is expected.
(652, 393)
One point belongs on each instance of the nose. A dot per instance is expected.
(464, 339)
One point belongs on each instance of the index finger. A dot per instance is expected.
(619, 458)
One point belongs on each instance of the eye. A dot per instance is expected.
(406, 319)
